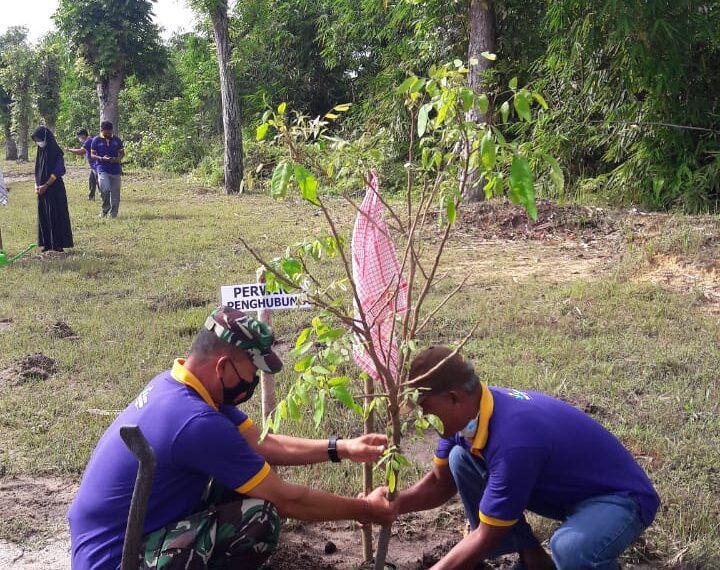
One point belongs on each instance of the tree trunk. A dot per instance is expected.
(11, 152)
(23, 128)
(230, 101)
(483, 37)
(107, 92)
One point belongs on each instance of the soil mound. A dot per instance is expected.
(35, 366)
(60, 329)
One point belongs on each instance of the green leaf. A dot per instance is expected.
(521, 103)
(556, 173)
(541, 100)
(450, 209)
(483, 103)
(487, 151)
(392, 481)
(342, 108)
(436, 423)
(304, 335)
(505, 111)
(404, 87)
(319, 408)
(307, 183)
(291, 267)
(489, 56)
(304, 363)
(468, 98)
(331, 116)
(293, 409)
(342, 394)
(513, 83)
(280, 178)
(442, 113)
(261, 131)
(422, 119)
(521, 185)
(281, 108)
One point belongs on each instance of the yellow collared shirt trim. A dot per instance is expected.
(255, 481)
(496, 522)
(440, 461)
(486, 410)
(184, 376)
(246, 425)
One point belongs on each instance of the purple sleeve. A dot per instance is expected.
(212, 444)
(442, 451)
(59, 169)
(510, 484)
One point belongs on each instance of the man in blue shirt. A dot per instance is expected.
(507, 451)
(107, 151)
(188, 416)
(85, 144)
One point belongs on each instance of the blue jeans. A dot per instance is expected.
(594, 533)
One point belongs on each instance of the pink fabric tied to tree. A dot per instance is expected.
(381, 288)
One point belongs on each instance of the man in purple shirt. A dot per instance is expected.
(215, 500)
(85, 144)
(506, 452)
(107, 151)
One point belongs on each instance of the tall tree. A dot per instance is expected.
(217, 10)
(16, 77)
(48, 82)
(14, 36)
(482, 39)
(113, 39)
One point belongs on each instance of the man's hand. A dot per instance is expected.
(39, 190)
(381, 510)
(362, 449)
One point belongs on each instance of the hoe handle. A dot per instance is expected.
(140, 448)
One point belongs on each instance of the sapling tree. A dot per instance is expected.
(421, 224)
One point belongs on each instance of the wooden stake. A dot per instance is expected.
(267, 380)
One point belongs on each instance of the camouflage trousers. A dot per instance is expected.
(240, 533)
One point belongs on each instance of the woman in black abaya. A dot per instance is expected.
(54, 232)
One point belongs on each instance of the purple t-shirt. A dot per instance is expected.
(543, 453)
(87, 146)
(110, 148)
(192, 440)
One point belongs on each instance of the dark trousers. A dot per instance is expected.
(92, 184)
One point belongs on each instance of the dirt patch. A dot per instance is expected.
(176, 303)
(35, 366)
(499, 219)
(60, 329)
(5, 324)
(684, 276)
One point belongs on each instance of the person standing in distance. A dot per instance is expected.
(85, 144)
(107, 151)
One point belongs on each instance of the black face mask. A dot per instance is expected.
(230, 394)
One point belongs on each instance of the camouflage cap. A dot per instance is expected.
(254, 337)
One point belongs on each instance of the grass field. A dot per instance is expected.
(642, 359)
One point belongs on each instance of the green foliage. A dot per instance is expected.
(112, 38)
(635, 115)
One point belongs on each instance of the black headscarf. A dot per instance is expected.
(47, 157)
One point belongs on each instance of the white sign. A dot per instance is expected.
(253, 297)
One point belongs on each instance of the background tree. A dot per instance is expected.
(48, 81)
(14, 36)
(17, 78)
(113, 40)
(217, 10)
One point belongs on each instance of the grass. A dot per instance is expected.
(641, 360)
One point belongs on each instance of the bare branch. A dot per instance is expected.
(442, 304)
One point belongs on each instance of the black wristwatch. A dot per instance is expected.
(332, 449)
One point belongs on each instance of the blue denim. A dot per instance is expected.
(594, 533)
